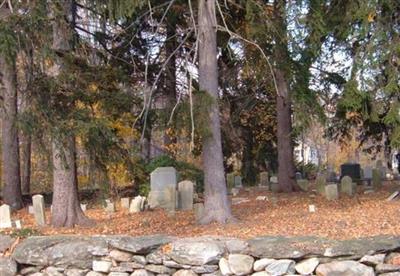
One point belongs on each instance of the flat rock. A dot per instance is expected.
(75, 272)
(393, 258)
(159, 269)
(60, 251)
(224, 267)
(281, 267)
(205, 269)
(139, 245)
(5, 242)
(240, 264)
(261, 264)
(348, 268)
(142, 272)
(101, 266)
(373, 259)
(261, 273)
(120, 256)
(196, 251)
(8, 267)
(184, 272)
(307, 266)
(384, 268)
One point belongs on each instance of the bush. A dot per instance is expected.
(310, 170)
(186, 170)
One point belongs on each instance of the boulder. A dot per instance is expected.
(120, 256)
(307, 266)
(5, 242)
(192, 251)
(373, 259)
(240, 264)
(224, 267)
(385, 268)
(8, 267)
(139, 245)
(261, 264)
(348, 268)
(101, 266)
(281, 267)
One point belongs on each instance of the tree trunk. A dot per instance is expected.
(66, 207)
(286, 169)
(26, 151)
(10, 149)
(217, 207)
(66, 211)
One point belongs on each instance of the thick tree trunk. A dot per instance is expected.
(10, 149)
(286, 168)
(66, 211)
(217, 207)
(66, 207)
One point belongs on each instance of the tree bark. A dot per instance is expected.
(286, 168)
(26, 151)
(66, 207)
(217, 207)
(10, 147)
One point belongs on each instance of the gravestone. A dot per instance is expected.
(298, 176)
(161, 179)
(110, 206)
(320, 184)
(171, 199)
(264, 179)
(347, 186)
(303, 184)
(376, 179)
(18, 224)
(351, 169)
(230, 180)
(198, 210)
(238, 181)
(234, 191)
(274, 186)
(273, 179)
(83, 207)
(30, 209)
(331, 191)
(136, 204)
(185, 195)
(367, 174)
(311, 208)
(125, 202)
(5, 216)
(38, 210)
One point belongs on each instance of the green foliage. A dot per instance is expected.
(309, 170)
(24, 233)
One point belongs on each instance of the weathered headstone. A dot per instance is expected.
(311, 208)
(331, 191)
(298, 176)
(234, 191)
(125, 202)
(161, 179)
(83, 207)
(136, 205)
(393, 196)
(198, 210)
(347, 186)
(18, 224)
(230, 181)
(185, 195)
(320, 184)
(5, 216)
(171, 199)
(30, 209)
(110, 206)
(273, 179)
(238, 181)
(376, 179)
(303, 184)
(38, 210)
(264, 179)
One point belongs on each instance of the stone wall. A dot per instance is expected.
(164, 255)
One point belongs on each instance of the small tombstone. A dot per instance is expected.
(273, 179)
(230, 180)
(125, 203)
(161, 179)
(234, 191)
(331, 191)
(347, 186)
(274, 187)
(185, 195)
(320, 184)
(376, 179)
(83, 207)
(264, 179)
(136, 205)
(261, 198)
(298, 176)
(18, 224)
(198, 210)
(30, 209)
(238, 181)
(38, 210)
(170, 197)
(311, 208)
(110, 206)
(143, 205)
(5, 216)
(303, 184)
(367, 173)
(393, 196)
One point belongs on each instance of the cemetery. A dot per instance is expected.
(199, 138)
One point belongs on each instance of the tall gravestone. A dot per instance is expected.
(163, 181)
(38, 210)
(376, 179)
(238, 181)
(367, 174)
(320, 183)
(347, 186)
(5, 216)
(185, 195)
(331, 191)
(230, 181)
(264, 179)
(125, 202)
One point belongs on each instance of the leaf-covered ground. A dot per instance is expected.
(283, 214)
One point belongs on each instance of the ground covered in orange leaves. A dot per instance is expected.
(282, 214)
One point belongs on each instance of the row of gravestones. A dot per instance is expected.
(167, 193)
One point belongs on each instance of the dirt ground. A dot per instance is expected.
(282, 214)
